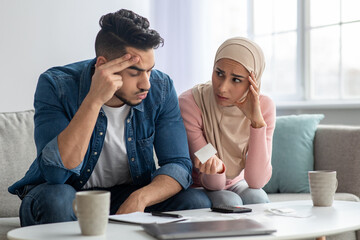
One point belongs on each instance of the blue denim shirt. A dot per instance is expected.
(156, 122)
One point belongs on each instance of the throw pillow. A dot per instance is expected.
(292, 155)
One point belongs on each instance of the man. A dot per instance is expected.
(96, 124)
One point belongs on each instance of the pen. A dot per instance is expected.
(161, 214)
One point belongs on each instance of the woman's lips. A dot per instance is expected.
(221, 98)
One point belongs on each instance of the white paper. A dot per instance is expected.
(205, 153)
(288, 212)
(143, 218)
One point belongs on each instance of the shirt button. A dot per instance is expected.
(95, 153)
(88, 170)
(101, 133)
(132, 159)
(128, 120)
(81, 182)
(129, 139)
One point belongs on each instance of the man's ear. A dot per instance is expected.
(100, 61)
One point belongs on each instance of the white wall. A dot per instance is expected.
(38, 34)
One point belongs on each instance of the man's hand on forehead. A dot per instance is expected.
(121, 63)
(106, 79)
(127, 58)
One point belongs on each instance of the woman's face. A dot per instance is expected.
(230, 81)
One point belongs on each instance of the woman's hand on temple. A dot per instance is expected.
(212, 166)
(250, 106)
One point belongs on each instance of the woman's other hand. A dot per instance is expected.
(250, 106)
(212, 166)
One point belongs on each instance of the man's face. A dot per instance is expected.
(136, 78)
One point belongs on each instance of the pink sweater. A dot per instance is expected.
(258, 168)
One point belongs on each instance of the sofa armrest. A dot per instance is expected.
(17, 152)
(337, 148)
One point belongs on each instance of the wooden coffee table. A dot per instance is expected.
(312, 222)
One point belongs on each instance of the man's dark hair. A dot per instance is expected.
(122, 29)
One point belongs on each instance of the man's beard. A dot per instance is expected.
(125, 101)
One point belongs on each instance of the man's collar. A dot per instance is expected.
(140, 107)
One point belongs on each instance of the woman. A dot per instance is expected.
(231, 114)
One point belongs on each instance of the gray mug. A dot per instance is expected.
(92, 210)
(323, 185)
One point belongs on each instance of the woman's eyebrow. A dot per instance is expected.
(221, 71)
(236, 75)
(233, 74)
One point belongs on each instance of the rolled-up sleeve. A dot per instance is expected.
(52, 166)
(177, 172)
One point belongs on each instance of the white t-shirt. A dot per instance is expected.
(112, 167)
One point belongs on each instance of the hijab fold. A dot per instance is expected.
(227, 128)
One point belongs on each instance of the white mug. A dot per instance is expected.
(92, 210)
(323, 185)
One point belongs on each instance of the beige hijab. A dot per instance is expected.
(227, 128)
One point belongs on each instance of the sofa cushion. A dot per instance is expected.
(292, 155)
(337, 148)
(17, 152)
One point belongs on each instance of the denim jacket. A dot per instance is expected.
(156, 123)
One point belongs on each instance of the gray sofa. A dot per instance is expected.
(335, 147)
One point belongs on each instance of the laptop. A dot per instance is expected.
(218, 228)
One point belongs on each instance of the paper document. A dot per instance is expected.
(288, 212)
(205, 153)
(142, 218)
